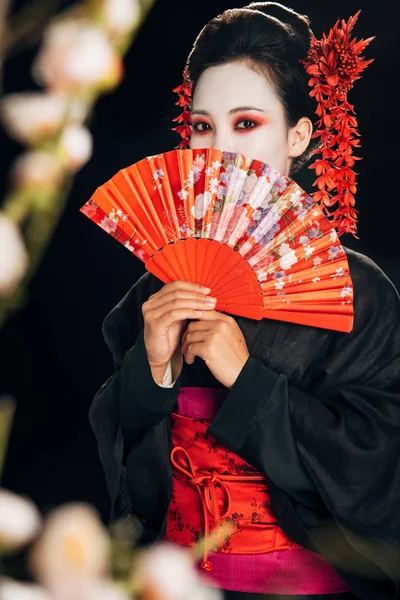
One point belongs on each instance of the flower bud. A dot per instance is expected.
(76, 147)
(20, 520)
(30, 117)
(76, 55)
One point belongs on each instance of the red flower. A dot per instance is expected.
(334, 63)
(184, 92)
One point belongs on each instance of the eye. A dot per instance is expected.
(201, 127)
(246, 124)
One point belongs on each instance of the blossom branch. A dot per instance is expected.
(80, 58)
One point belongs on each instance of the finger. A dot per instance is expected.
(195, 349)
(169, 317)
(181, 285)
(202, 324)
(174, 310)
(186, 299)
(215, 315)
(198, 326)
(191, 338)
(156, 300)
(190, 353)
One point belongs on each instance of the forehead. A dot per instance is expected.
(234, 84)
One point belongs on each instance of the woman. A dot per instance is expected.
(308, 417)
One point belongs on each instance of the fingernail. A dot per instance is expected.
(211, 300)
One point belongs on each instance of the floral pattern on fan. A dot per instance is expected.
(266, 219)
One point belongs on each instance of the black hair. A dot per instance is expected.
(269, 38)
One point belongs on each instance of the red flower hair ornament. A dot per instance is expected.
(184, 92)
(334, 63)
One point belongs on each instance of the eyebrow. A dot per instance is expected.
(231, 112)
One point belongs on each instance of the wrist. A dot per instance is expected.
(158, 372)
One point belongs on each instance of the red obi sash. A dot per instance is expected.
(212, 484)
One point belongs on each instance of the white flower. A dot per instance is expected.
(346, 292)
(288, 257)
(333, 252)
(76, 146)
(190, 178)
(121, 16)
(37, 169)
(316, 279)
(183, 194)
(82, 587)
(199, 162)
(201, 204)
(13, 590)
(317, 261)
(29, 116)
(340, 272)
(216, 164)
(279, 284)
(296, 199)
(74, 542)
(20, 520)
(170, 572)
(308, 251)
(304, 239)
(213, 183)
(13, 265)
(159, 174)
(262, 277)
(74, 54)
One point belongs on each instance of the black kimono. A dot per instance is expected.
(317, 411)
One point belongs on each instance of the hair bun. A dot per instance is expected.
(298, 25)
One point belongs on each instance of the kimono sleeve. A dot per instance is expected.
(130, 401)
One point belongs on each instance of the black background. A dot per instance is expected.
(53, 355)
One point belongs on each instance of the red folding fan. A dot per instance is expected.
(233, 224)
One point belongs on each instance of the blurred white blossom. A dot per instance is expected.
(20, 520)
(76, 146)
(81, 587)
(76, 54)
(13, 266)
(29, 116)
(14, 590)
(73, 543)
(37, 169)
(170, 573)
(120, 16)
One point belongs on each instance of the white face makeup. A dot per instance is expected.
(236, 109)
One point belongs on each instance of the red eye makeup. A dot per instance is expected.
(256, 122)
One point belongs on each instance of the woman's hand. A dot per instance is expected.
(219, 341)
(165, 316)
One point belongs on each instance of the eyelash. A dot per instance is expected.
(195, 125)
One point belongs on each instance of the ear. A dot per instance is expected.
(299, 137)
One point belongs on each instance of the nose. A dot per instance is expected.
(222, 141)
